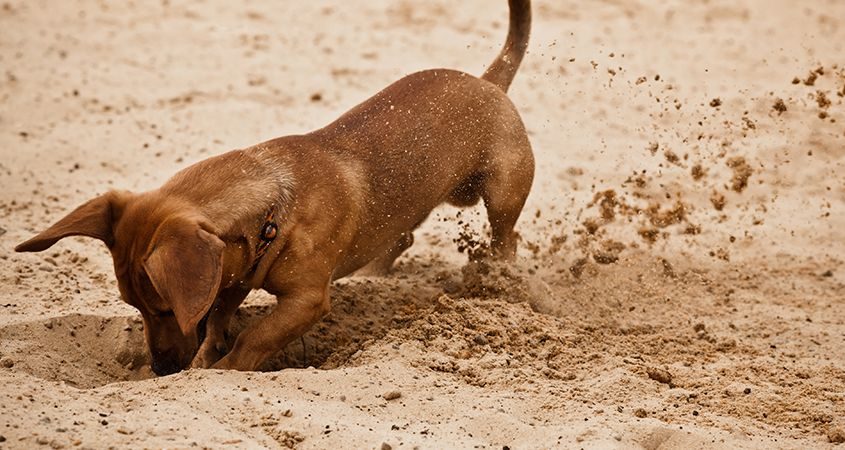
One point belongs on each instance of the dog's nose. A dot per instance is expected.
(165, 367)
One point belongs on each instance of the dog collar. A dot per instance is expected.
(268, 232)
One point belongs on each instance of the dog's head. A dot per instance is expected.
(167, 261)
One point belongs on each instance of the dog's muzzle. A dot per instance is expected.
(165, 366)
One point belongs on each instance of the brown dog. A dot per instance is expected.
(292, 214)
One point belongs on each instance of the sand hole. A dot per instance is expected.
(83, 351)
(87, 351)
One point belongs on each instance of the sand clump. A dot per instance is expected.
(698, 172)
(742, 171)
(718, 200)
(779, 106)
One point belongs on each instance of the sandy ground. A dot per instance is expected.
(680, 282)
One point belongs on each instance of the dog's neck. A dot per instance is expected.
(236, 192)
(242, 256)
(236, 189)
(266, 235)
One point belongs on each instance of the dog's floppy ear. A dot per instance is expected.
(186, 267)
(95, 218)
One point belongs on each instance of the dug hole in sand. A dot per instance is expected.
(680, 280)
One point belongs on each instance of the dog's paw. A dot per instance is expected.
(207, 356)
(202, 361)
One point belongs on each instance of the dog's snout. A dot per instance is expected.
(163, 367)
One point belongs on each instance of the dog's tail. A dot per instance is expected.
(503, 69)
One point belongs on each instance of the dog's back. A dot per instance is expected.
(420, 138)
(434, 136)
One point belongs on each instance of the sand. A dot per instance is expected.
(680, 281)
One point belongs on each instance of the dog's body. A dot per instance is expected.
(292, 214)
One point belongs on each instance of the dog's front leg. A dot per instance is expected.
(294, 314)
(214, 346)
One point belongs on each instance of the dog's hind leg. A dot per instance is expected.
(504, 188)
(214, 347)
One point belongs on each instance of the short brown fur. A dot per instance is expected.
(346, 197)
